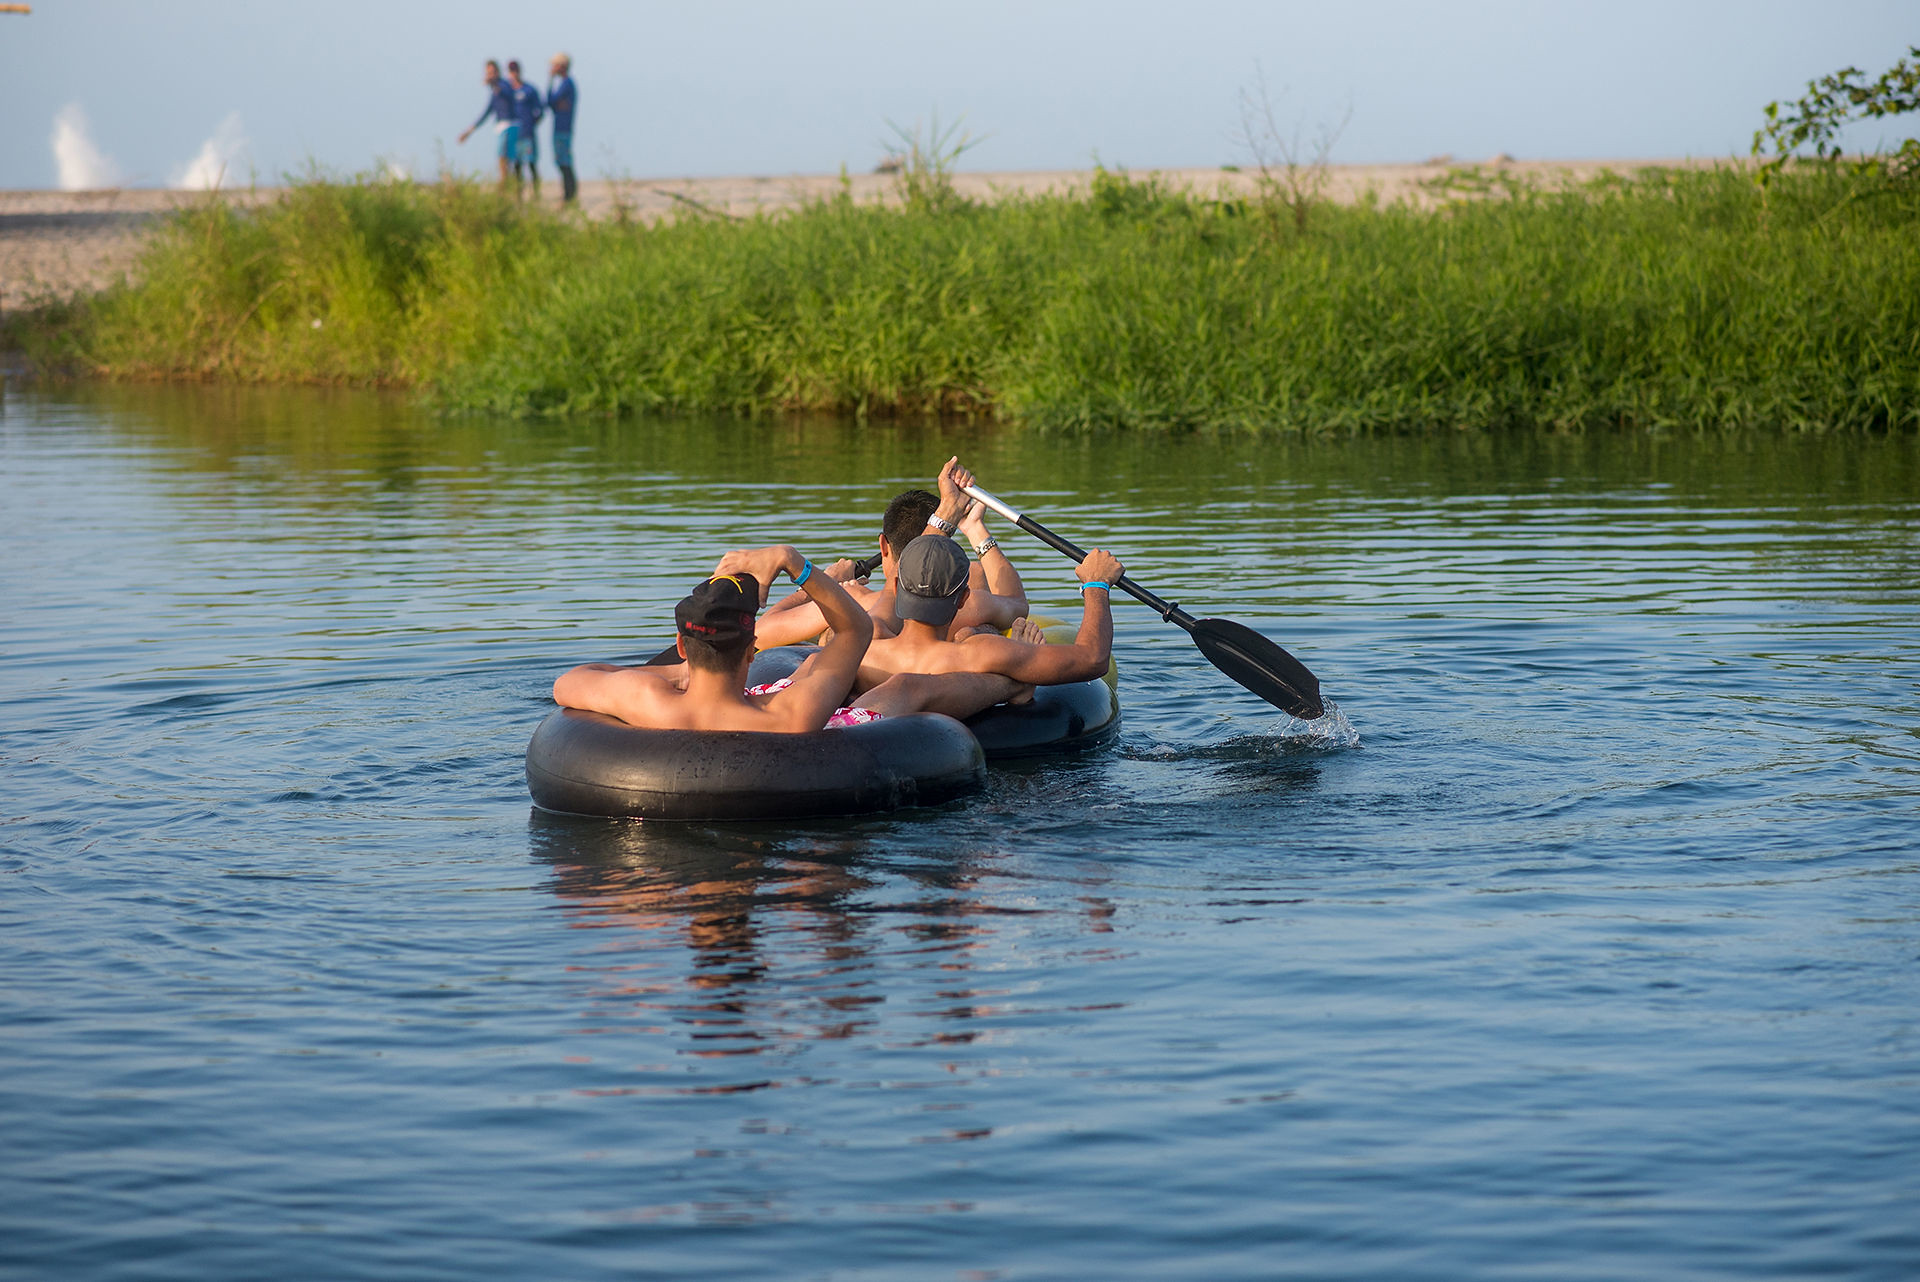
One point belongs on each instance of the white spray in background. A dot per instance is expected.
(218, 162)
(82, 166)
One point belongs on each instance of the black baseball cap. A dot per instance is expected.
(933, 574)
(719, 611)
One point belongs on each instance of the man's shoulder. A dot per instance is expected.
(989, 651)
(961, 655)
(658, 680)
(984, 643)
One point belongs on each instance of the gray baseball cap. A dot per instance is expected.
(933, 574)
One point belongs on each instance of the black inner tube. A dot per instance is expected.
(586, 763)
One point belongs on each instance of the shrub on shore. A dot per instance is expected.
(1676, 297)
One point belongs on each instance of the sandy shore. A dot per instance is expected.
(57, 243)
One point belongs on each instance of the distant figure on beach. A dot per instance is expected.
(561, 97)
(528, 108)
(500, 105)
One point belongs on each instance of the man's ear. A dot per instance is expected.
(680, 645)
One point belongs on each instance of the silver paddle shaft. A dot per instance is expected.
(1167, 610)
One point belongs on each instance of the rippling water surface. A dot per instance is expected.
(1597, 956)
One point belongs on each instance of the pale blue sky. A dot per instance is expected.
(769, 88)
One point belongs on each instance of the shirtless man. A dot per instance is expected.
(933, 587)
(716, 636)
(996, 599)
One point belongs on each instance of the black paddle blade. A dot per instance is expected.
(1260, 666)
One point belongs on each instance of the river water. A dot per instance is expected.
(1595, 955)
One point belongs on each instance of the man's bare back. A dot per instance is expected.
(928, 646)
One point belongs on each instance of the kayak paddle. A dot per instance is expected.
(1234, 648)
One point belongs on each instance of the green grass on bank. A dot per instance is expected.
(1681, 298)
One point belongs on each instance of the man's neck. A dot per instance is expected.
(915, 632)
(708, 686)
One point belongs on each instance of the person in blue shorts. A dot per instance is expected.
(561, 97)
(528, 108)
(500, 105)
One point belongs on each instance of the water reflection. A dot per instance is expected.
(334, 444)
(743, 941)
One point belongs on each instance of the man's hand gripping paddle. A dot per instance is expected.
(1234, 648)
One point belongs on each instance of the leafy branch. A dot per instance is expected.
(1835, 101)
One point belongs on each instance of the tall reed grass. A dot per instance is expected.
(1681, 298)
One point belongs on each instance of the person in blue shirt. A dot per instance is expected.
(500, 105)
(561, 97)
(528, 108)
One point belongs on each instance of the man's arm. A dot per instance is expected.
(1005, 596)
(821, 683)
(1052, 665)
(484, 113)
(795, 618)
(790, 625)
(840, 571)
(627, 693)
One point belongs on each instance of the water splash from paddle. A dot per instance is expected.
(1294, 740)
(1330, 729)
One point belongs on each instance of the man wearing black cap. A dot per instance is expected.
(716, 638)
(996, 596)
(931, 591)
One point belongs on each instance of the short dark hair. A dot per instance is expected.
(513, 64)
(710, 657)
(906, 518)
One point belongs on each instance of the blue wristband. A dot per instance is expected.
(806, 572)
(1094, 583)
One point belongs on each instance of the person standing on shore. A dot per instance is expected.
(527, 110)
(500, 106)
(561, 97)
